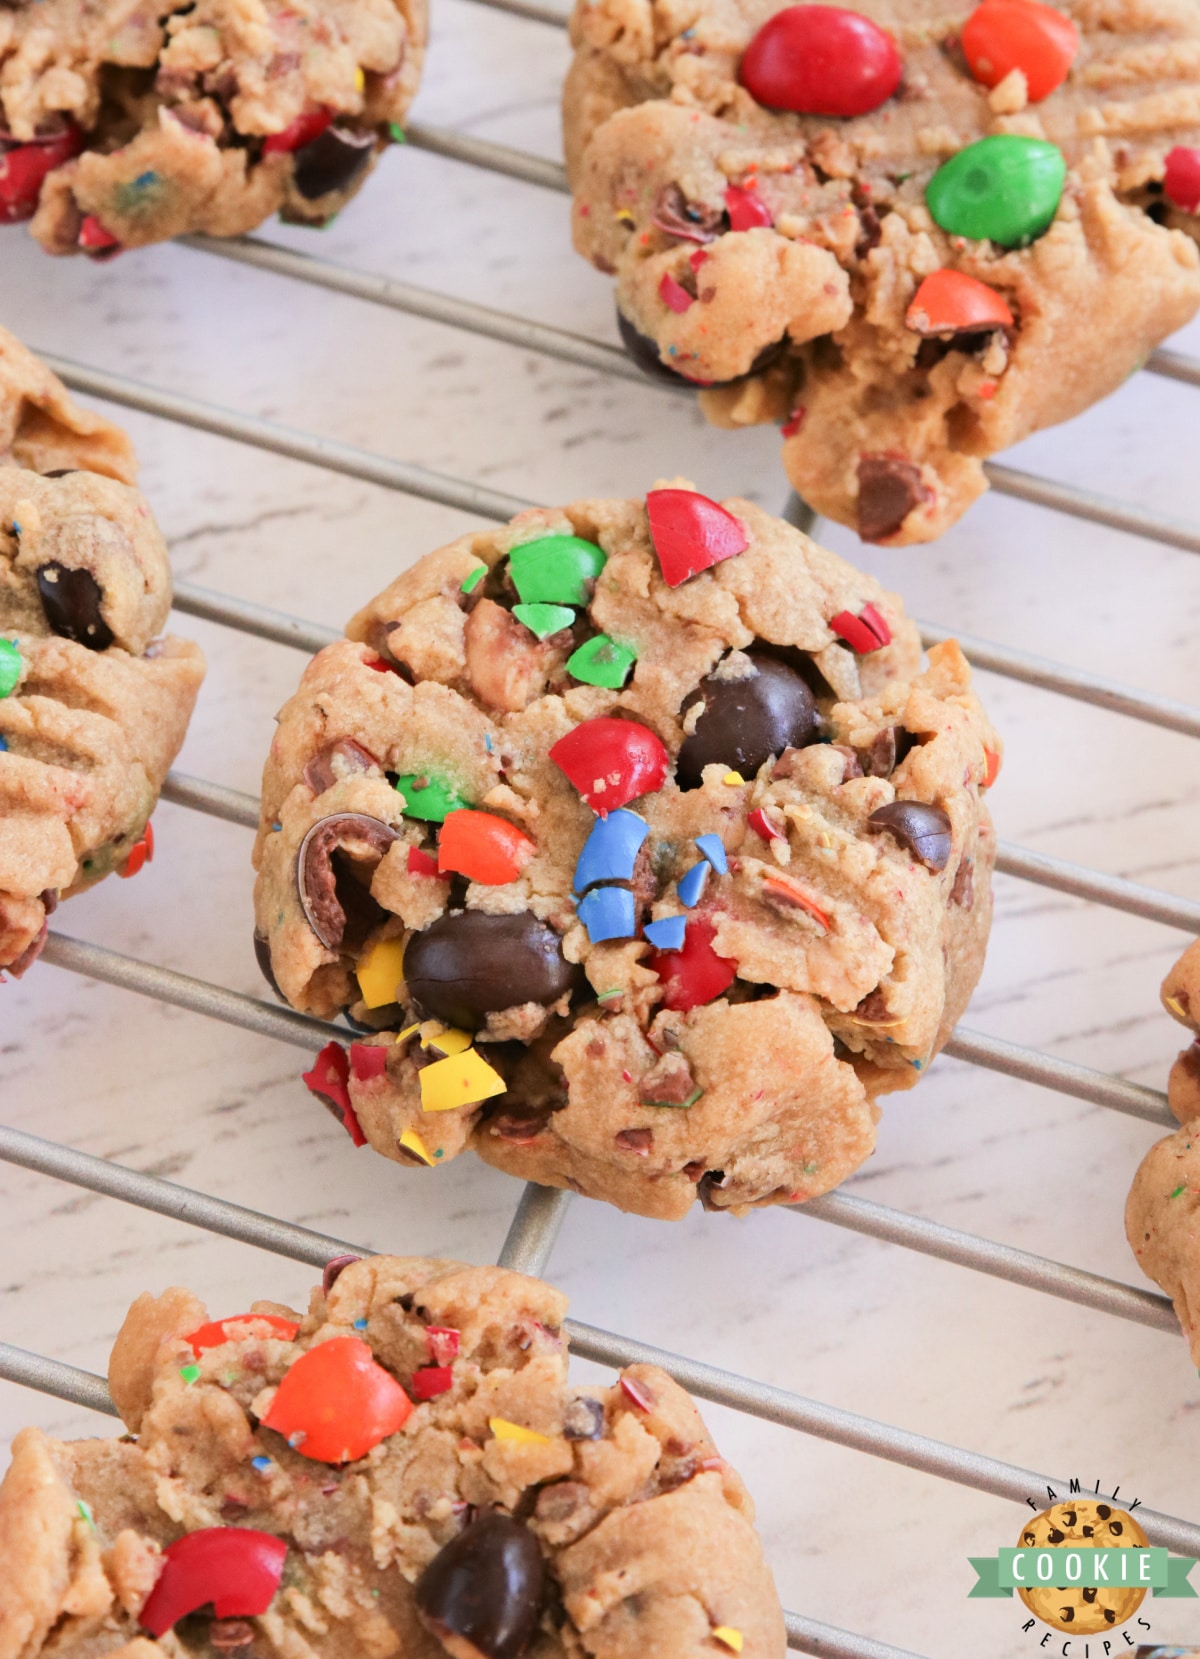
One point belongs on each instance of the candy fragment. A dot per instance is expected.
(923, 829)
(482, 1594)
(310, 124)
(713, 849)
(1181, 180)
(367, 1061)
(690, 886)
(459, 1080)
(141, 853)
(690, 533)
(556, 569)
(636, 1393)
(432, 1380)
(428, 798)
(412, 1142)
(762, 825)
(728, 1637)
(483, 847)
(237, 1569)
(421, 863)
(666, 934)
(991, 762)
(602, 662)
(610, 851)
(951, 302)
(443, 1342)
(315, 876)
(335, 1402)
(1003, 187)
(864, 633)
(502, 1429)
(10, 667)
(217, 1331)
(1003, 35)
(544, 620)
(779, 887)
(611, 762)
(380, 973)
(746, 209)
(821, 60)
(329, 1081)
(695, 974)
(608, 913)
(674, 295)
(93, 237)
(24, 168)
(472, 579)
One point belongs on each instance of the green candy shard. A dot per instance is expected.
(10, 667)
(558, 569)
(431, 800)
(1005, 188)
(396, 133)
(675, 1105)
(189, 1373)
(601, 661)
(472, 580)
(544, 620)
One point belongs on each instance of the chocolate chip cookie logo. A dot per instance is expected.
(1083, 1567)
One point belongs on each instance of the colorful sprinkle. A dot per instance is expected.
(262, 1464)
(559, 570)
(544, 620)
(610, 851)
(459, 1080)
(1179, 1189)
(85, 1512)
(601, 662)
(380, 973)
(608, 913)
(1177, 1008)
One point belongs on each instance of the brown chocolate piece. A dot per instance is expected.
(674, 215)
(747, 721)
(669, 1082)
(923, 829)
(324, 907)
(339, 760)
(469, 964)
(71, 600)
(889, 487)
(332, 162)
(482, 1593)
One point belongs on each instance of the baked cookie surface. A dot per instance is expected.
(126, 125)
(648, 876)
(94, 704)
(812, 272)
(404, 1470)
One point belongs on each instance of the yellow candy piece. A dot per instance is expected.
(504, 1430)
(733, 779)
(381, 972)
(459, 1080)
(414, 1143)
(360, 80)
(732, 1638)
(403, 1036)
(1177, 1008)
(447, 1040)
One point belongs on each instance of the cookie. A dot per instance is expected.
(405, 1470)
(124, 126)
(1092, 1524)
(638, 847)
(94, 704)
(906, 265)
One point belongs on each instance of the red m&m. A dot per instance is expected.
(1003, 35)
(821, 60)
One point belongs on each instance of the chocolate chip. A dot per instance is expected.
(262, 955)
(963, 891)
(560, 1501)
(338, 760)
(870, 232)
(485, 1588)
(325, 902)
(889, 487)
(852, 767)
(583, 1419)
(521, 1128)
(669, 1082)
(924, 830)
(1103, 1511)
(71, 601)
(694, 1170)
(331, 162)
(689, 221)
(61, 472)
(873, 1009)
(886, 752)
(333, 1271)
(1054, 1536)
(468, 964)
(1089, 1595)
(1117, 1528)
(635, 1140)
(747, 721)
(644, 352)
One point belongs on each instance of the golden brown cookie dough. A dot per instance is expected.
(93, 703)
(886, 426)
(812, 832)
(583, 1521)
(124, 126)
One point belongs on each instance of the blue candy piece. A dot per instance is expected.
(713, 849)
(3, 745)
(667, 934)
(691, 886)
(607, 913)
(610, 850)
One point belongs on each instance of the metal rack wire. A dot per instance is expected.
(539, 1214)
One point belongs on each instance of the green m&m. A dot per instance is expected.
(10, 666)
(427, 797)
(601, 661)
(544, 620)
(1005, 188)
(559, 570)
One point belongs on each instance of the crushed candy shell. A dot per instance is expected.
(666, 934)
(443, 1342)
(483, 847)
(10, 667)
(236, 1569)
(472, 579)
(611, 850)
(428, 798)
(601, 662)
(459, 1080)
(544, 620)
(728, 1637)
(367, 1061)
(864, 633)
(695, 974)
(217, 1331)
(611, 762)
(759, 822)
(559, 570)
(413, 1143)
(691, 885)
(447, 1039)
(307, 126)
(690, 533)
(339, 1399)
(432, 1380)
(140, 854)
(786, 890)
(674, 295)
(502, 1429)
(421, 863)
(328, 1080)
(636, 1393)
(608, 913)
(713, 849)
(380, 973)
(746, 209)
(1181, 179)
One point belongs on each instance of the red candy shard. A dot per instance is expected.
(142, 852)
(951, 302)
(611, 762)
(1003, 35)
(746, 209)
(237, 1569)
(311, 124)
(24, 168)
(690, 533)
(992, 764)
(821, 60)
(1181, 181)
(215, 1332)
(695, 974)
(442, 1342)
(94, 238)
(421, 863)
(794, 422)
(864, 633)
(674, 295)
(432, 1380)
(367, 1060)
(636, 1393)
(335, 1402)
(329, 1081)
(762, 825)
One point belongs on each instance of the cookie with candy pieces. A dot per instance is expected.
(910, 234)
(640, 850)
(405, 1470)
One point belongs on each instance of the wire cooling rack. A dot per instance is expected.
(534, 1228)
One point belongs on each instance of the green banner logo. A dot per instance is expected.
(1084, 1568)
